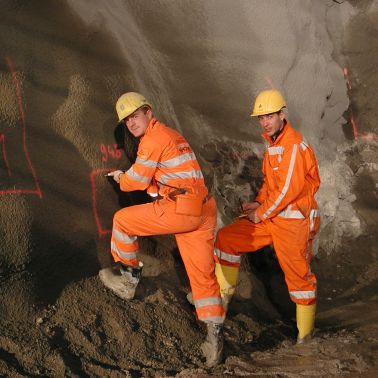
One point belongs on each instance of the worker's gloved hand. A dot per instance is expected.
(116, 175)
(253, 217)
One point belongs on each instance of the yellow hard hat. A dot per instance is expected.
(128, 103)
(269, 101)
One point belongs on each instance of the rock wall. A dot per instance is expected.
(202, 63)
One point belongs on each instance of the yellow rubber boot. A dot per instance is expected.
(305, 321)
(227, 277)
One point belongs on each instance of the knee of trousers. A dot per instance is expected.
(225, 240)
(121, 218)
(222, 237)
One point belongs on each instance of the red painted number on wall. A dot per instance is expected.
(110, 152)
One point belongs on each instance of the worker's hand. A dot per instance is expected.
(253, 217)
(116, 175)
(248, 206)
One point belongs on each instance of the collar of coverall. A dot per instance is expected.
(150, 126)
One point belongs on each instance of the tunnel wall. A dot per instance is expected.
(201, 63)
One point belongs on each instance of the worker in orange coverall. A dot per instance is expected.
(284, 213)
(167, 168)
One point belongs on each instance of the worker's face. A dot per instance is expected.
(271, 123)
(138, 121)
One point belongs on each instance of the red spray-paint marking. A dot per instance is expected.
(2, 140)
(101, 231)
(346, 76)
(269, 81)
(356, 133)
(16, 83)
(110, 151)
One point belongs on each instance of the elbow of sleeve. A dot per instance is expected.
(129, 186)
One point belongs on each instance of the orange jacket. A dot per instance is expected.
(164, 157)
(291, 178)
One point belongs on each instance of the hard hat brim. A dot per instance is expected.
(270, 111)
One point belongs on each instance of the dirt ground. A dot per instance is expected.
(55, 326)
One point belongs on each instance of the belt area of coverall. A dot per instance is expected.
(174, 193)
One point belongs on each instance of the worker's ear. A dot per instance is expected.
(281, 114)
(149, 113)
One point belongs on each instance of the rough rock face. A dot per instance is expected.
(223, 55)
(201, 63)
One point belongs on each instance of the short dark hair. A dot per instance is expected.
(145, 108)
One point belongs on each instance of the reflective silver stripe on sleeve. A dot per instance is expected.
(146, 163)
(124, 254)
(304, 145)
(207, 301)
(227, 256)
(313, 213)
(137, 177)
(177, 160)
(303, 294)
(275, 150)
(287, 182)
(181, 175)
(121, 236)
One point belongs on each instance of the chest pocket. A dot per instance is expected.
(275, 157)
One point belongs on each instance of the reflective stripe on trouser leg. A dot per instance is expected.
(124, 248)
(293, 249)
(210, 309)
(196, 249)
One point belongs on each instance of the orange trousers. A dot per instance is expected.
(195, 240)
(291, 241)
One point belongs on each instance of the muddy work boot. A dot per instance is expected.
(189, 298)
(212, 348)
(121, 279)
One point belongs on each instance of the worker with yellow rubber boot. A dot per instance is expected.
(167, 168)
(284, 213)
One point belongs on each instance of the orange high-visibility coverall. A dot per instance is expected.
(288, 212)
(166, 160)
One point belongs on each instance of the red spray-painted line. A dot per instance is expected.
(37, 191)
(356, 133)
(101, 232)
(2, 139)
(346, 76)
(368, 136)
(354, 126)
(269, 81)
